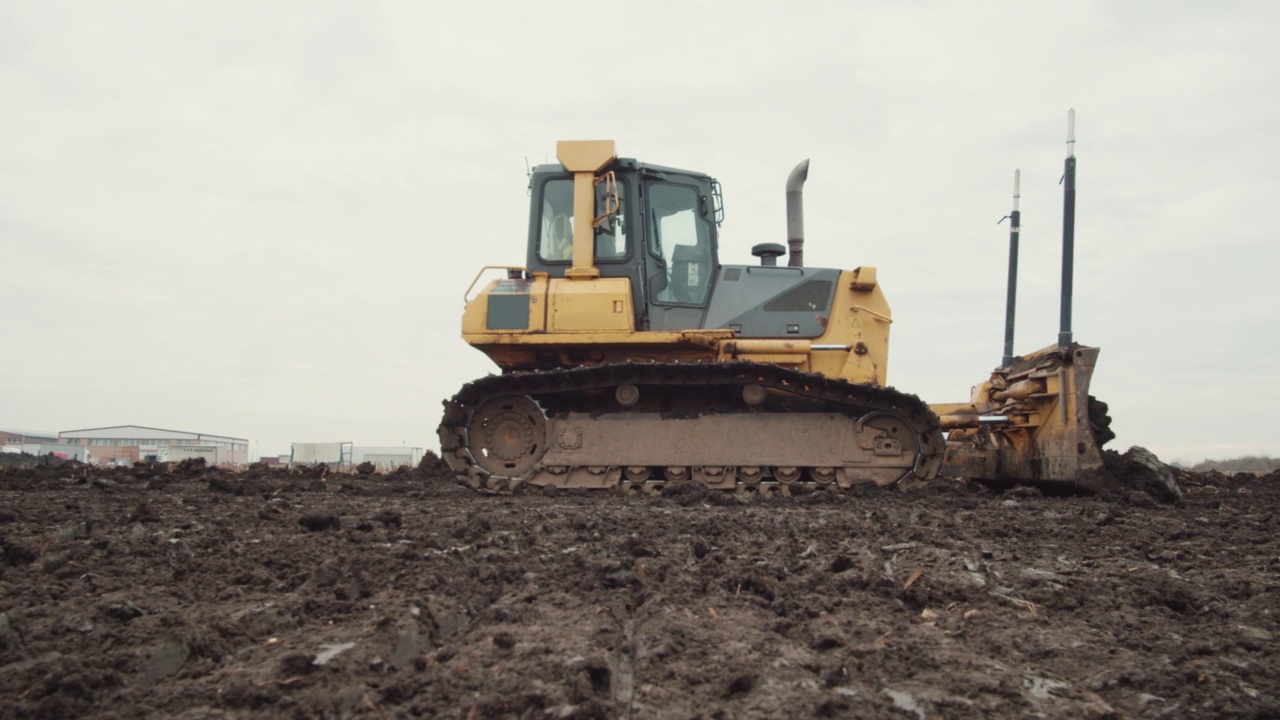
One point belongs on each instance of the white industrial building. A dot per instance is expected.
(40, 443)
(347, 454)
(388, 458)
(18, 437)
(124, 444)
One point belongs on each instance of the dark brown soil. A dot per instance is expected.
(195, 593)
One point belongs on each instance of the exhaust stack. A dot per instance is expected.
(795, 213)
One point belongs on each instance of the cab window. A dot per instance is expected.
(555, 235)
(681, 236)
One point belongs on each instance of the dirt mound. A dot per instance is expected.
(192, 592)
(1138, 469)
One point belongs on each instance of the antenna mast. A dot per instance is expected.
(1068, 229)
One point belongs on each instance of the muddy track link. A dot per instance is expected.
(742, 426)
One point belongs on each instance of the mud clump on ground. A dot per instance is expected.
(191, 592)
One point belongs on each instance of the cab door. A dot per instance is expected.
(680, 251)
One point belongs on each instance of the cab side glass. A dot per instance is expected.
(555, 235)
(682, 238)
(555, 239)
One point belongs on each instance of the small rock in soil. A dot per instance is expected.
(319, 523)
(142, 514)
(389, 518)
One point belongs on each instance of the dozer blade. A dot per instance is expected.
(1032, 422)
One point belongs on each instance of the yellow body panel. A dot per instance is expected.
(855, 346)
(601, 305)
(860, 319)
(475, 316)
(592, 321)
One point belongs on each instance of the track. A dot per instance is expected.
(733, 426)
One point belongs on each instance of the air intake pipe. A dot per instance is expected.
(795, 213)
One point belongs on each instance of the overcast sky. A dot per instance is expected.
(258, 219)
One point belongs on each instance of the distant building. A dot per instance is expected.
(346, 454)
(40, 443)
(387, 458)
(62, 451)
(19, 437)
(125, 444)
(274, 460)
(333, 454)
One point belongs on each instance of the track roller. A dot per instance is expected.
(787, 475)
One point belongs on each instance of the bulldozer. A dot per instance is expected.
(632, 358)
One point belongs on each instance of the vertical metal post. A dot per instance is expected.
(1068, 229)
(1015, 226)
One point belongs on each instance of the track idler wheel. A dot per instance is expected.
(508, 436)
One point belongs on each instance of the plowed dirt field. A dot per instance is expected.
(196, 593)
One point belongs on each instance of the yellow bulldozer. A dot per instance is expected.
(632, 358)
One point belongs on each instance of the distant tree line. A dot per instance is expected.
(1259, 464)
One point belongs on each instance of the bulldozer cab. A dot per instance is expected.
(655, 226)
